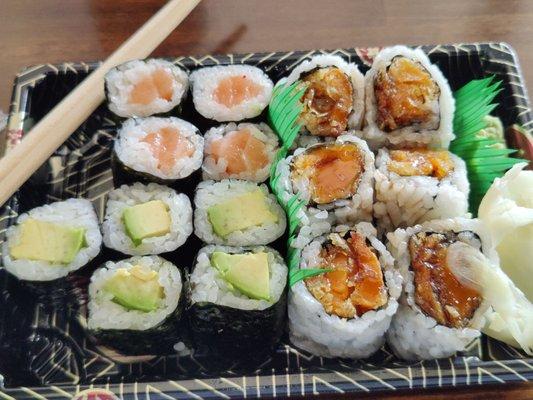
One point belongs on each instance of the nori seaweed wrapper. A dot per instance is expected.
(222, 330)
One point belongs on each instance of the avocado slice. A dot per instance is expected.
(47, 241)
(240, 212)
(146, 220)
(136, 288)
(247, 272)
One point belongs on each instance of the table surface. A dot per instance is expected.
(51, 31)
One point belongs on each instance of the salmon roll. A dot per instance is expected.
(230, 92)
(333, 101)
(146, 219)
(408, 101)
(237, 213)
(158, 149)
(334, 179)
(243, 151)
(417, 185)
(438, 315)
(345, 311)
(141, 88)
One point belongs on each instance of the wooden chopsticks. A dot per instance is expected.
(39, 144)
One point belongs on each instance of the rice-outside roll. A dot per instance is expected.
(159, 149)
(344, 312)
(135, 305)
(141, 88)
(146, 219)
(237, 299)
(334, 179)
(230, 92)
(417, 185)
(408, 101)
(438, 315)
(334, 99)
(237, 213)
(51, 241)
(244, 151)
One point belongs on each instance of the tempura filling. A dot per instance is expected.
(406, 95)
(328, 102)
(355, 283)
(332, 171)
(438, 292)
(421, 162)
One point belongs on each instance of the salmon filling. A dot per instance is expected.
(421, 162)
(437, 291)
(328, 102)
(355, 283)
(234, 90)
(168, 145)
(158, 85)
(405, 95)
(241, 150)
(332, 170)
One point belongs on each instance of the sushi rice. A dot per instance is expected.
(105, 314)
(121, 80)
(179, 207)
(74, 213)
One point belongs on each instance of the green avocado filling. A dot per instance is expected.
(146, 220)
(136, 288)
(47, 241)
(240, 212)
(248, 272)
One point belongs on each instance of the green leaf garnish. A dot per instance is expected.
(481, 146)
(284, 109)
(301, 274)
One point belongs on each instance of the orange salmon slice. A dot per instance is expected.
(168, 145)
(233, 90)
(158, 85)
(242, 151)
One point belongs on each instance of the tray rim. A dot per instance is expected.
(468, 371)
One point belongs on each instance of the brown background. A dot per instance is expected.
(50, 31)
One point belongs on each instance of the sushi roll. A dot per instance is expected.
(333, 101)
(408, 101)
(237, 213)
(141, 88)
(438, 314)
(156, 149)
(135, 305)
(237, 300)
(418, 185)
(346, 311)
(49, 242)
(146, 219)
(243, 151)
(230, 92)
(334, 179)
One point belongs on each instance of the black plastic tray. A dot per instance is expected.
(44, 349)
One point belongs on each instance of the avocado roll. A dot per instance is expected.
(230, 92)
(49, 242)
(439, 314)
(160, 150)
(141, 88)
(408, 101)
(237, 213)
(135, 305)
(237, 299)
(333, 101)
(244, 151)
(334, 179)
(146, 219)
(345, 311)
(418, 185)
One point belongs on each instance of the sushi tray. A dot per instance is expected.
(286, 224)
